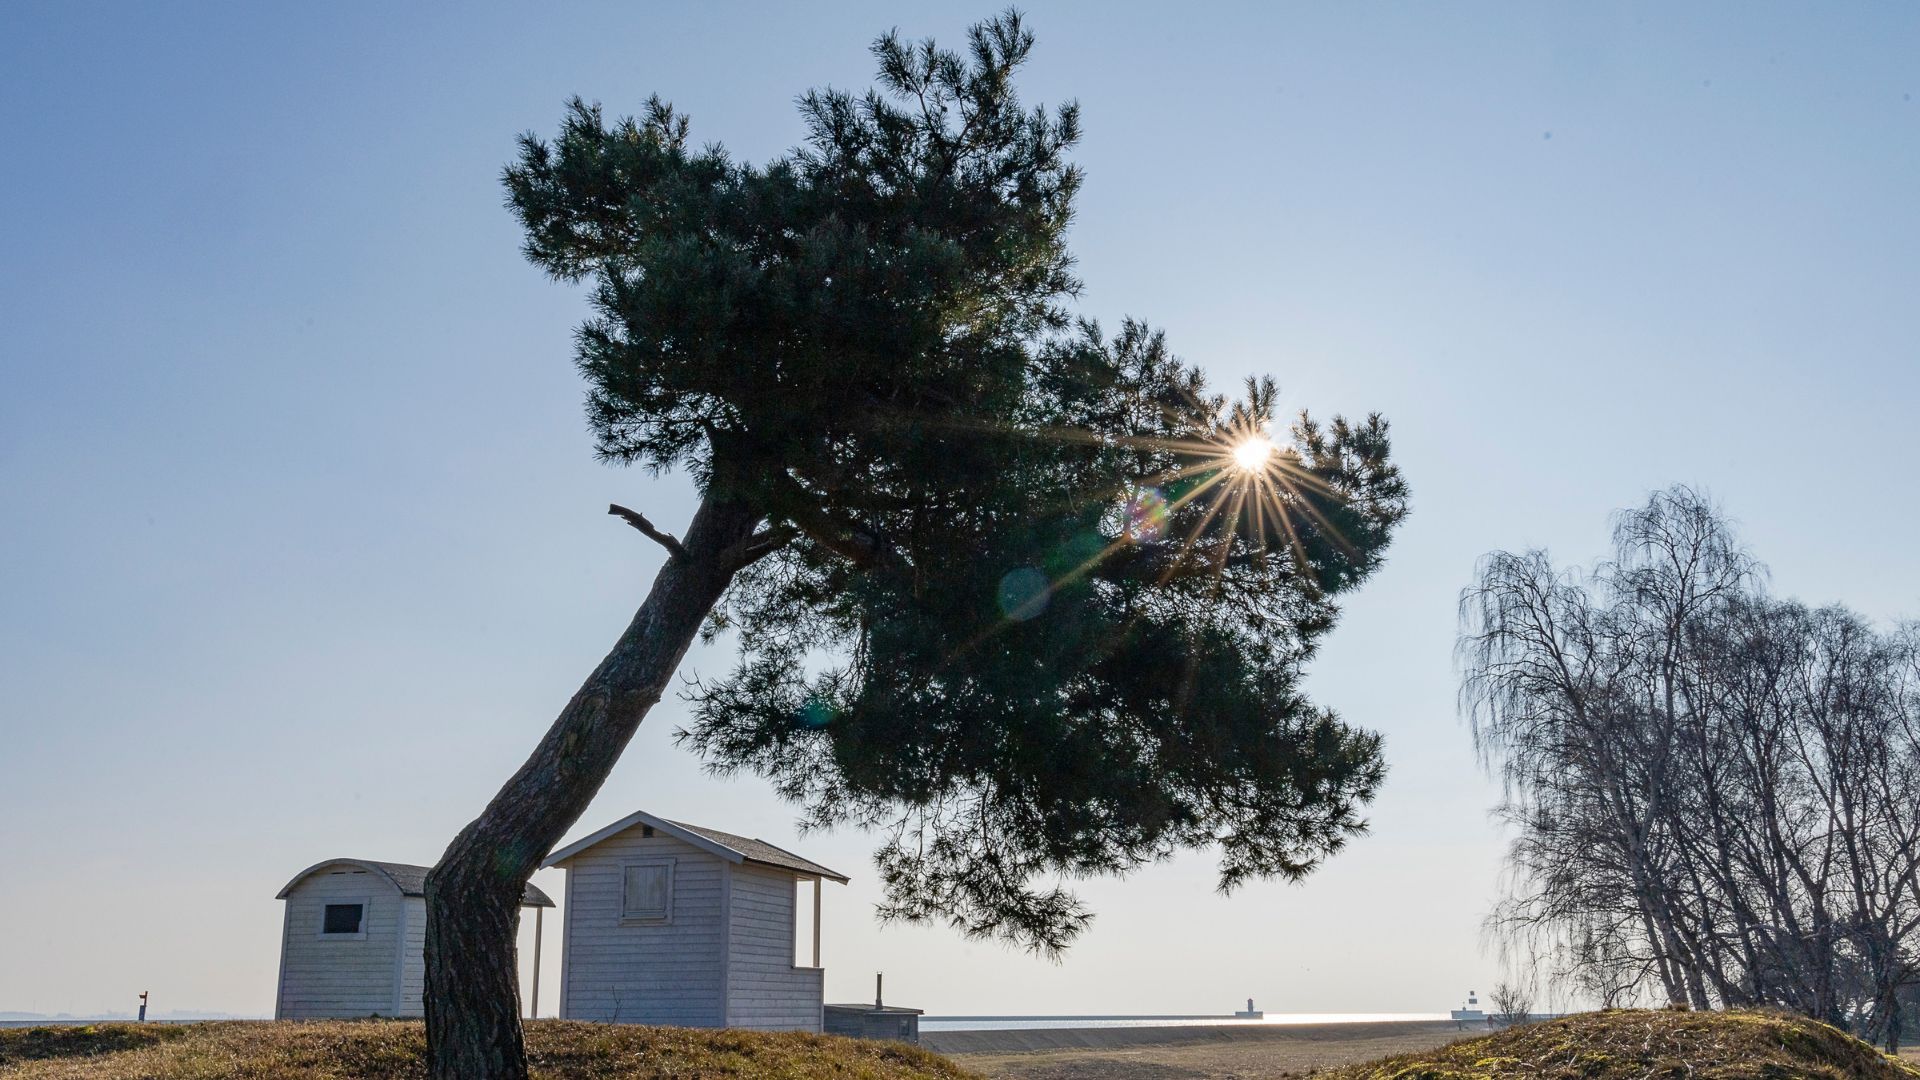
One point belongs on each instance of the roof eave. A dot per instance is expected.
(641, 817)
(822, 872)
(363, 864)
(531, 895)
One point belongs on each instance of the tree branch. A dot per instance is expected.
(852, 544)
(758, 546)
(639, 521)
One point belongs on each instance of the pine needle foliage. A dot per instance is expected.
(1026, 620)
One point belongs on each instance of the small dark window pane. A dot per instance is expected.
(342, 919)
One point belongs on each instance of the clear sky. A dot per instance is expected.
(302, 543)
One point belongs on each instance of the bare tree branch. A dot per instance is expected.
(639, 521)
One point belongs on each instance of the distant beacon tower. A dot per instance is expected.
(1472, 1010)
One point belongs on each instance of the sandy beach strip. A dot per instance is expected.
(1188, 1052)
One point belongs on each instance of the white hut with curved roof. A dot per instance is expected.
(354, 941)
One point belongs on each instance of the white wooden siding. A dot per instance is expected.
(765, 989)
(644, 973)
(413, 958)
(340, 977)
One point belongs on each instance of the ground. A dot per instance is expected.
(1635, 1044)
(1599, 1046)
(393, 1050)
(1247, 1052)
(1616, 1045)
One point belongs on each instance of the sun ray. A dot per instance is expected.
(1326, 526)
(1199, 529)
(1293, 540)
(1233, 527)
(1263, 484)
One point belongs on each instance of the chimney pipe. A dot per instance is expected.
(878, 976)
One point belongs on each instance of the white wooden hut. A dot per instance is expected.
(670, 923)
(354, 941)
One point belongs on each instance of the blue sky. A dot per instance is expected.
(302, 542)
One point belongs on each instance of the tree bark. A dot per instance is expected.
(474, 893)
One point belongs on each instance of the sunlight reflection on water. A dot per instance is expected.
(1022, 1023)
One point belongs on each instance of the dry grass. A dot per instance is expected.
(1643, 1044)
(394, 1050)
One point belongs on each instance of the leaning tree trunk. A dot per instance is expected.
(473, 894)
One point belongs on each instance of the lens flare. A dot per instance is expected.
(1024, 593)
(815, 713)
(1146, 515)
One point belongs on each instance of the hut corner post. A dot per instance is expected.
(816, 922)
(538, 918)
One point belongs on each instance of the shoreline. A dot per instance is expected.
(1042, 1040)
(1224, 1051)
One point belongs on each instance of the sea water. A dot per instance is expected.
(1028, 1023)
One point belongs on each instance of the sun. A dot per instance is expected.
(1252, 453)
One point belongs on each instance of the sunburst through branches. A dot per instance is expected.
(1234, 495)
(1251, 453)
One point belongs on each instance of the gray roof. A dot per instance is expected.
(759, 851)
(411, 880)
(724, 844)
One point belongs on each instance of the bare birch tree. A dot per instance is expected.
(1715, 794)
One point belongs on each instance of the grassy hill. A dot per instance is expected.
(1618, 1045)
(1641, 1044)
(394, 1049)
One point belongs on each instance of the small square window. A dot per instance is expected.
(648, 892)
(342, 918)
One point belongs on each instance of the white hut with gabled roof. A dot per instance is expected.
(354, 940)
(670, 923)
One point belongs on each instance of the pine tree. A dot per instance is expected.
(1026, 598)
